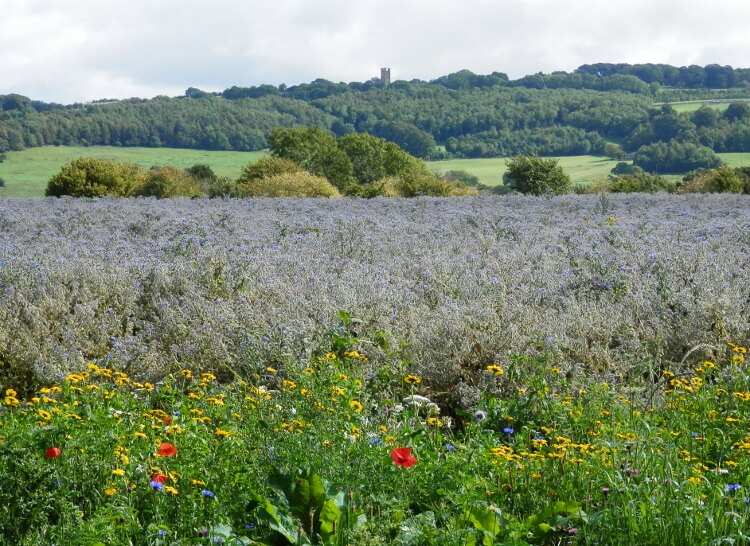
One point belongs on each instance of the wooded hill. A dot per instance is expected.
(459, 115)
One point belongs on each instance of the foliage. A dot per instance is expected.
(88, 177)
(675, 157)
(299, 184)
(2, 183)
(537, 176)
(463, 177)
(301, 454)
(168, 182)
(721, 180)
(202, 172)
(316, 151)
(267, 167)
(638, 182)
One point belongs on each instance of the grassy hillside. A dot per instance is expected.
(693, 105)
(26, 173)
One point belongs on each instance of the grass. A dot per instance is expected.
(26, 173)
(335, 453)
(583, 169)
(693, 105)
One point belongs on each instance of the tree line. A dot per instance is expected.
(458, 115)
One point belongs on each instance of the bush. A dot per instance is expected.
(721, 180)
(3, 157)
(202, 173)
(462, 177)
(267, 167)
(537, 176)
(623, 168)
(166, 182)
(2, 183)
(417, 186)
(744, 174)
(89, 177)
(639, 183)
(298, 184)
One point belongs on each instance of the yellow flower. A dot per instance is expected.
(10, 393)
(47, 416)
(694, 480)
(412, 379)
(495, 369)
(171, 490)
(109, 491)
(304, 392)
(207, 377)
(289, 385)
(738, 359)
(199, 483)
(356, 405)
(329, 356)
(118, 472)
(221, 433)
(355, 355)
(434, 422)
(141, 435)
(337, 391)
(272, 371)
(187, 374)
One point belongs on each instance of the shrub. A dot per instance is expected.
(623, 168)
(166, 182)
(639, 183)
(221, 187)
(462, 177)
(298, 184)
(2, 183)
(89, 177)
(3, 157)
(204, 174)
(721, 180)
(417, 186)
(537, 176)
(267, 167)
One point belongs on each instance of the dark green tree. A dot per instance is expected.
(537, 176)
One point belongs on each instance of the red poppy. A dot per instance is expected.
(159, 478)
(166, 450)
(403, 457)
(167, 420)
(53, 452)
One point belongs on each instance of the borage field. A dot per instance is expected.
(495, 370)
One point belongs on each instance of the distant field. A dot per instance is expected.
(583, 169)
(26, 173)
(693, 105)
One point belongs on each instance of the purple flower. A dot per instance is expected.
(208, 493)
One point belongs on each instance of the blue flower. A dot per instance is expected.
(156, 485)
(375, 441)
(508, 430)
(208, 493)
(161, 532)
(450, 448)
(250, 526)
(480, 415)
(732, 487)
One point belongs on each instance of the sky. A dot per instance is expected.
(80, 50)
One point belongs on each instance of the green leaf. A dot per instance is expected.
(330, 516)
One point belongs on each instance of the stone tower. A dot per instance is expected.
(385, 76)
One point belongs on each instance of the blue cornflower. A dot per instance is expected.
(375, 441)
(450, 448)
(208, 493)
(156, 485)
(250, 526)
(161, 532)
(508, 430)
(732, 487)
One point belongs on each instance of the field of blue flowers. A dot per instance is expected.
(507, 371)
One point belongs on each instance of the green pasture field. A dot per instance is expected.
(26, 173)
(693, 105)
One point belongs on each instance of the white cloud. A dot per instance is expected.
(67, 50)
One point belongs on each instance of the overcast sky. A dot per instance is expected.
(74, 50)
